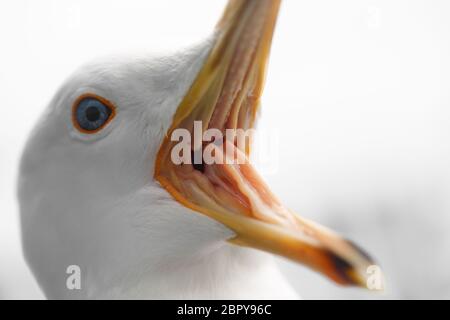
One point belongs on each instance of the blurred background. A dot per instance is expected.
(357, 96)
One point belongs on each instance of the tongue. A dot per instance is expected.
(236, 167)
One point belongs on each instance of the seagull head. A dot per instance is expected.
(99, 186)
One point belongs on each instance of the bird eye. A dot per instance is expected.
(92, 113)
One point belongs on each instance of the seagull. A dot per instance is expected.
(99, 188)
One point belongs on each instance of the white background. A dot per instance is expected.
(358, 94)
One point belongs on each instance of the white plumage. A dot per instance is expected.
(94, 203)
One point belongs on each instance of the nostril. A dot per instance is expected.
(199, 166)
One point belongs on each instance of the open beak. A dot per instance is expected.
(224, 96)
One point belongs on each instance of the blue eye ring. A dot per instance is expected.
(91, 113)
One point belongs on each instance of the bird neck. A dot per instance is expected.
(228, 273)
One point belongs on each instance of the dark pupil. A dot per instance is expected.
(92, 114)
